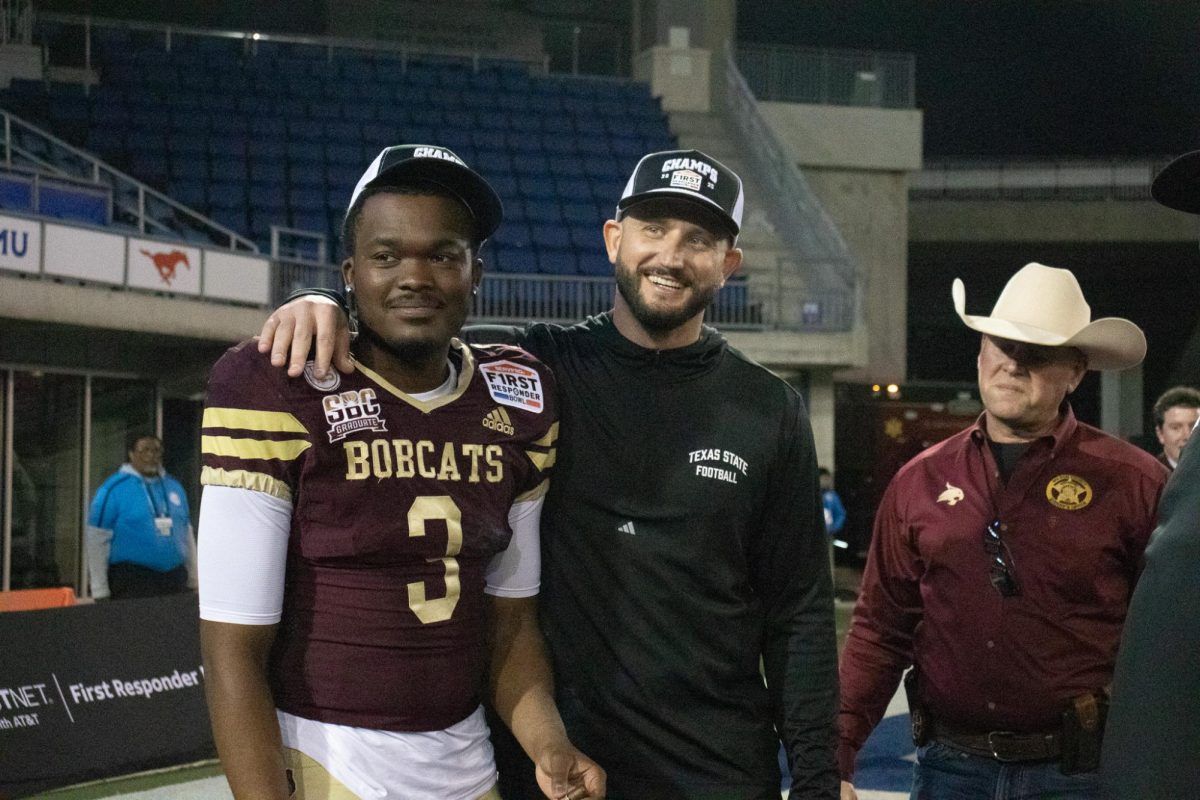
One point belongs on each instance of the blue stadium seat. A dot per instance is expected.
(572, 190)
(538, 187)
(305, 152)
(191, 193)
(308, 175)
(342, 132)
(379, 135)
(268, 196)
(227, 194)
(230, 125)
(16, 192)
(73, 202)
(513, 259)
(328, 108)
(339, 153)
(582, 213)
(227, 146)
(523, 142)
(557, 143)
(586, 237)
(513, 234)
(488, 140)
(600, 167)
(592, 262)
(540, 212)
(109, 115)
(182, 102)
(530, 164)
(569, 166)
(187, 167)
(149, 166)
(342, 178)
(315, 221)
(550, 236)
(303, 129)
(228, 167)
(307, 199)
(189, 145)
(218, 104)
(264, 126)
(356, 70)
(556, 262)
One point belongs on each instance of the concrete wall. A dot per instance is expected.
(1047, 221)
(856, 161)
(98, 307)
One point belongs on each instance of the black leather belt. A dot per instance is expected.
(1002, 745)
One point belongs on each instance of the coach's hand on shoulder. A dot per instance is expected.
(848, 792)
(291, 328)
(564, 773)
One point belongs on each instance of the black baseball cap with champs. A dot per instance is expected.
(688, 175)
(440, 166)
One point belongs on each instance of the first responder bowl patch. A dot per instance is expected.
(513, 384)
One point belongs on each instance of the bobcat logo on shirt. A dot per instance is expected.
(951, 496)
(351, 412)
(1068, 492)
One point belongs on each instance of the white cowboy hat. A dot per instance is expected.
(1043, 305)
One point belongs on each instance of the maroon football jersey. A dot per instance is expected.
(398, 506)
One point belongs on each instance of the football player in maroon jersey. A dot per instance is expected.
(369, 543)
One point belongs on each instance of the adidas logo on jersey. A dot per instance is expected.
(627, 528)
(497, 420)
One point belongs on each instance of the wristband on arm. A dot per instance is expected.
(331, 294)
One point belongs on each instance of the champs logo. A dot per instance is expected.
(437, 152)
(699, 169)
(352, 411)
(1069, 492)
(499, 421)
(514, 385)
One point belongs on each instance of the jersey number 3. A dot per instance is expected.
(424, 509)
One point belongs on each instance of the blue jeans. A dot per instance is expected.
(944, 773)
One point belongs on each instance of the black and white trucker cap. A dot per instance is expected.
(688, 175)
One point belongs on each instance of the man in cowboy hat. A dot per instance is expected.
(1152, 749)
(1002, 562)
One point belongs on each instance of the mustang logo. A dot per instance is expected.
(166, 263)
(951, 496)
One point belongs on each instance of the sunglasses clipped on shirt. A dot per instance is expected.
(1001, 560)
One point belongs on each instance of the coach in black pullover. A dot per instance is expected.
(682, 536)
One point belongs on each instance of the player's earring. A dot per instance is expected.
(352, 312)
(474, 291)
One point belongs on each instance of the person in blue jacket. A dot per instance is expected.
(139, 531)
(835, 512)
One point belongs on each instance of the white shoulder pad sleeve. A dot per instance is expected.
(243, 554)
(516, 571)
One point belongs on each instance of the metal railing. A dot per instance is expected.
(828, 77)
(405, 50)
(38, 181)
(819, 264)
(134, 203)
(543, 298)
(1036, 180)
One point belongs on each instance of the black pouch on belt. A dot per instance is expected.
(1083, 733)
(922, 725)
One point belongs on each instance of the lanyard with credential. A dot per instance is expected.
(155, 511)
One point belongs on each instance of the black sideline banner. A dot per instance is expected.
(100, 690)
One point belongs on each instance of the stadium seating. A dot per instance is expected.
(278, 133)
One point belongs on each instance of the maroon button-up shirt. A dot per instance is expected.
(1076, 514)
